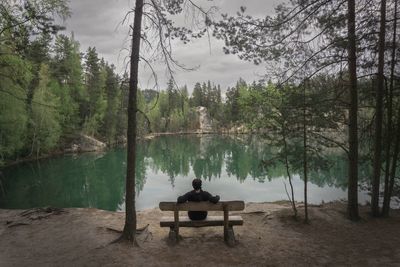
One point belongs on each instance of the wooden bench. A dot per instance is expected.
(183, 221)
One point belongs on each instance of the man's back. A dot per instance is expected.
(198, 196)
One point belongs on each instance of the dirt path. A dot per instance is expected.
(269, 237)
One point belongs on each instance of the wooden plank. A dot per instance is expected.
(184, 221)
(236, 205)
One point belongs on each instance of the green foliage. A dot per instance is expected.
(44, 101)
(67, 67)
(94, 109)
(45, 117)
(15, 76)
(20, 21)
(110, 117)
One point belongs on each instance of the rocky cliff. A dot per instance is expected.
(204, 120)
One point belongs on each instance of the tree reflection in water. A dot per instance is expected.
(97, 180)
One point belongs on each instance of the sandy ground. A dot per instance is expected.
(269, 237)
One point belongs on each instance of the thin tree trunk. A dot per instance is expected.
(352, 207)
(379, 116)
(182, 104)
(288, 171)
(387, 194)
(394, 161)
(129, 230)
(305, 158)
(31, 88)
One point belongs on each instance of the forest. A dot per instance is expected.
(331, 84)
(52, 92)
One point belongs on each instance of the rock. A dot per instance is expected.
(89, 143)
(73, 149)
(86, 143)
(241, 129)
(204, 120)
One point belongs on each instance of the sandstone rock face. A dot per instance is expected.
(204, 120)
(86, 144)
(89, 143)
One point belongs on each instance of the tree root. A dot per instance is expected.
(34, 214)
(114, 230)
(253, 212)
(142, 235)
(48, 210)
(13, 224)
(138, 231)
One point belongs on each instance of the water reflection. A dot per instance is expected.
(165, 167)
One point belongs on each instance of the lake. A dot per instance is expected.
(229, 166)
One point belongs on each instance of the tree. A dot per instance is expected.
(110, 118)
(37, 52)
(389, 180)
(21, 20)
(352, 198)
(94, 79)
(14, 78)
(67, 71)
(305, 146)
(26, 29)
(304, 35)
(232, 105)
(130, 226)
(379, 114)
(165, 32)
(197, 95)
(46, 129)
(122, 113)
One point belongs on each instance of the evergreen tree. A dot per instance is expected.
(94, 80)
(197, 96)
(110, 119)
(122, 109)
(46, 129)
(67, 70)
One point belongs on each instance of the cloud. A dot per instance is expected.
(98, 23)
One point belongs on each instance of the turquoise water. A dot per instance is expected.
(229, 166)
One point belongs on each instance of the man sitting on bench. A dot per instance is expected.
(197, 195)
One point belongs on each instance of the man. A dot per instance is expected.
(197, 195)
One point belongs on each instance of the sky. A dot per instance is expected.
(98, 23)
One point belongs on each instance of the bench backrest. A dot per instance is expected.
(236, 205)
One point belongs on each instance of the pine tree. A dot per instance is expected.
(46, 129)
(94, 80)
(110, 119)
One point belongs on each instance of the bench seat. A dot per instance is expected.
(184, 221)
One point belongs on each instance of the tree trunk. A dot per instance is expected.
(394, 162)
(288, 171)
(305, 158)
(352, 207)
(182, 104)
(379, 115)
(387, 194)
(129, 231)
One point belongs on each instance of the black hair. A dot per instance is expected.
(196, 183)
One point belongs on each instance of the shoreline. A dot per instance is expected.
(63, 151)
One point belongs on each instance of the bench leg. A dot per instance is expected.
(229, 236)
(173, 236)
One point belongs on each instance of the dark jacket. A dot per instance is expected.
(197, 197)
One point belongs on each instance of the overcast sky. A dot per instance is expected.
(97, 23)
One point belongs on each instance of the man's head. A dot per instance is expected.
(196, 183)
